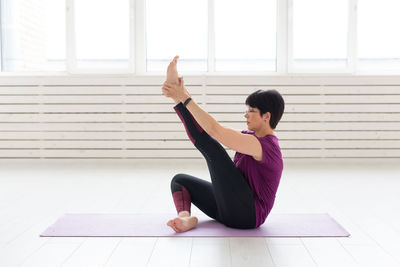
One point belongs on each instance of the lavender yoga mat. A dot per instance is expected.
(150, 224)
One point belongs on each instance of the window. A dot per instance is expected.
(102, 34)
(176, 27)
(214, 36)
(245, 35)
(378, 38)
(320, 35)
(33, 35)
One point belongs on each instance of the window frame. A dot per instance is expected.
(351, 43)
(137, 57)
(71, 60)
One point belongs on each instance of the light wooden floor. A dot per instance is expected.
(363, 197)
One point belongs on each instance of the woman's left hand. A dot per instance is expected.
(177, 92)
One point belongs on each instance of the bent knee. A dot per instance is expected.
(178, 178)
(176, 182)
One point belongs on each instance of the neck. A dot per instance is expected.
(263, 132)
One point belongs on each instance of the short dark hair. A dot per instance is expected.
(268, 101)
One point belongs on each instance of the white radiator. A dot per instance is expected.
(61, 117)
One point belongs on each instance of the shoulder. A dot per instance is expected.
(269, 140)
(270, 147)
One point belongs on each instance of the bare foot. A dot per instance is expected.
(172, 72)
(183, 224)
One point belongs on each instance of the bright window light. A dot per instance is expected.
(245, 35)
(33, 35)
(176, 27)
(378, 38)
(320, 34)
(102, 34)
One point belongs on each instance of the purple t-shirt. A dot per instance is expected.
(263, 176)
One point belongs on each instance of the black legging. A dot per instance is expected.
(229, 198)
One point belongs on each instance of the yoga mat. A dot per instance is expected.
(154, 225)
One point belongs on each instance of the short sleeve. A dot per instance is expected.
(268, 151)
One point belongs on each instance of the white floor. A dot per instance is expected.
(362, 196)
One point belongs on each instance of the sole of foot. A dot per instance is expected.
(183, 224)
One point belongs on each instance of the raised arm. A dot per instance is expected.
(243, 143)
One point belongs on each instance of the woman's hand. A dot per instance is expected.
(177, 92)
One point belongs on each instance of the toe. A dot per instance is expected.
(172, 225)
(177, 222)
(175, 228)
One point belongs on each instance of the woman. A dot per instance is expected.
(242, 191)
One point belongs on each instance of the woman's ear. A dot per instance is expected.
(267, 116)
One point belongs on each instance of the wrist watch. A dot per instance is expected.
(187, 101)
